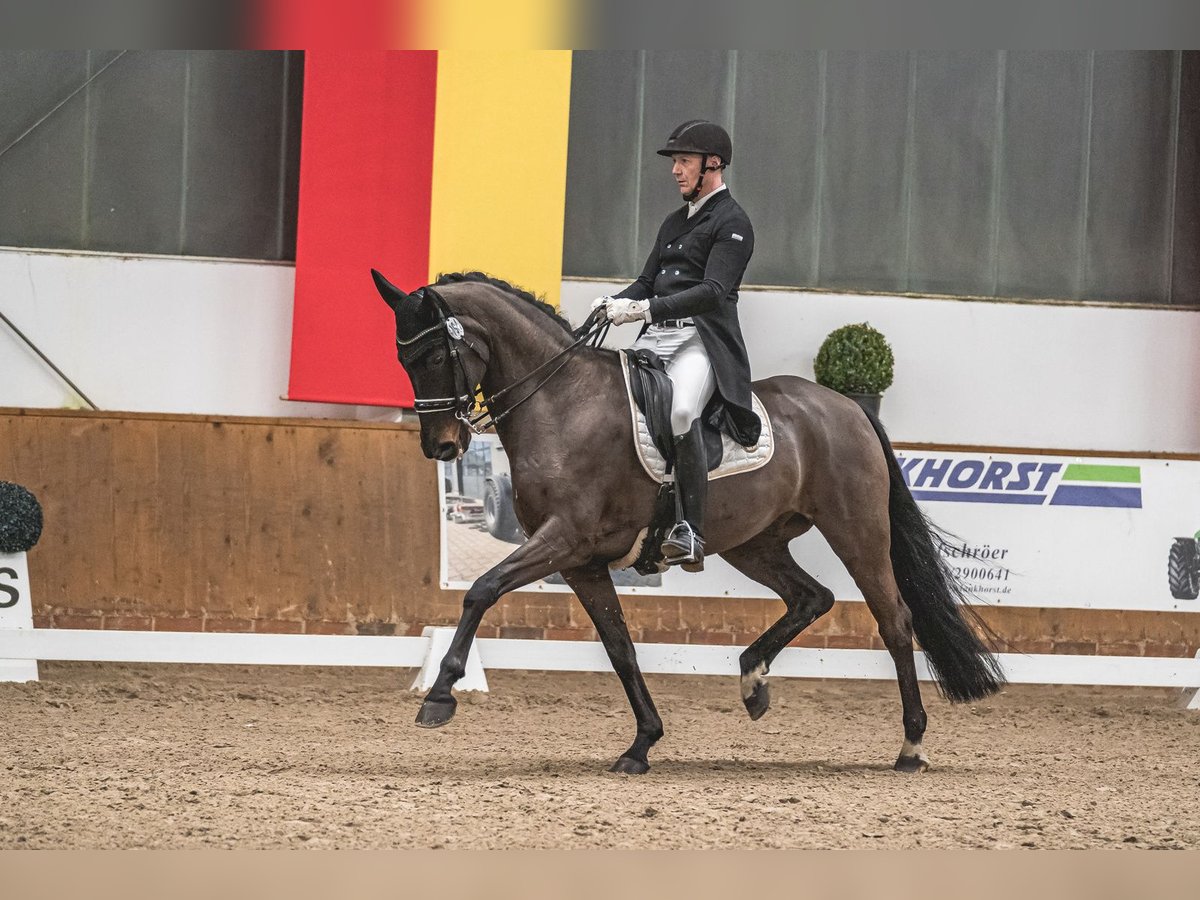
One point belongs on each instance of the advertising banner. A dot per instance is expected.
(1036, 530)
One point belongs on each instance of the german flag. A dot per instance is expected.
(417, 162)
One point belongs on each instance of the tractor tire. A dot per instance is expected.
(1183, 569)
(498, 512)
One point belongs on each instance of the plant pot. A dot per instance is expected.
(869, 402)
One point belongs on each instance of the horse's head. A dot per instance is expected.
(443, 365)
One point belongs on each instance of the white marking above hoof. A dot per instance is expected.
(752, 679)
(910, 751)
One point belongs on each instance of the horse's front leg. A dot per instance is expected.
(593, 585)
(545, 553)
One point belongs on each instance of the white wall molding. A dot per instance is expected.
(557, 656)
(993, 374)
(150, 334)
(167, 334)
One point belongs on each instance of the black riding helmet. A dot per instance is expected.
(703, 137)
(700, 136)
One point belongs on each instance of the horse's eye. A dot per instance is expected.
(437, 358)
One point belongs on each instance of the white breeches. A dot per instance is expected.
(682, 352)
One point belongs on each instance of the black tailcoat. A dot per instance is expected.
(694, 271)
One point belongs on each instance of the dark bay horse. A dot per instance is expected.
(582, 497)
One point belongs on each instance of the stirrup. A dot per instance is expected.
(683, 547)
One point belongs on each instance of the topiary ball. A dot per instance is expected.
(855, 359)
(20, 518)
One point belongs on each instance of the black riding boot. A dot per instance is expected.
(684, 544)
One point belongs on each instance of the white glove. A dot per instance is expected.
(599, 302)
(622, 310)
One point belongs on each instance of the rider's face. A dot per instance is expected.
(685, 169)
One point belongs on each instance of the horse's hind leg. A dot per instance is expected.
(594, 587)
(867, 557)
(766, 559)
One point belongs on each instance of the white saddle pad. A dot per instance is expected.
(735, 459)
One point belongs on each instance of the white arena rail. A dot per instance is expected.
(426, 652)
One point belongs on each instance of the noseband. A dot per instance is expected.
(450, 331)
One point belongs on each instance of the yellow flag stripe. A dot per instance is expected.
(484, 24)
(500, 165)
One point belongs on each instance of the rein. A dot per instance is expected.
(589, 331)
(592, 331)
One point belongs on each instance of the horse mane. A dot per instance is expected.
(483, 278)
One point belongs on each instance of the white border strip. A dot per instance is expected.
(559, 656)
(197, 647)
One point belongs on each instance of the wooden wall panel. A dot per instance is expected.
(297, 525)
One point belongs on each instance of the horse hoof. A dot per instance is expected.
(436, 713)
(627, 765)
(758, 702)
(911, 763)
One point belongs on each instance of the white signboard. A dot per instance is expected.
(16, 611)
(1041, 530)
(1019, 530)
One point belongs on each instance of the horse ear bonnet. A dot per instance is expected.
(414, 312)
(391, 294)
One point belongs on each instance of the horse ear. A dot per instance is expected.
(391, 294)
(427, 307)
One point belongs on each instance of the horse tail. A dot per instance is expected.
(948, 629)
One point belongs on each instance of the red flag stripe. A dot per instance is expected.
(366, 170)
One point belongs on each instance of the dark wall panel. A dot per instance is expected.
(1185, 242)
(775, 174)
(34, 81)
(41, 171)
(143, 151)
(1026, 174)
(862, 199)
(135, 154)
(951, 213)
(251, 123)
(293, 102)
(1046, 114)
(603, 159)
(42, 186)
(1129, 185)
(1037, 174)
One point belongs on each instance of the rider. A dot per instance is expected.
(687, 297)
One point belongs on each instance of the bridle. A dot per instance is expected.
(453, 336)
(449, 330)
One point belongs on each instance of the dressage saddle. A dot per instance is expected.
(652, 391)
